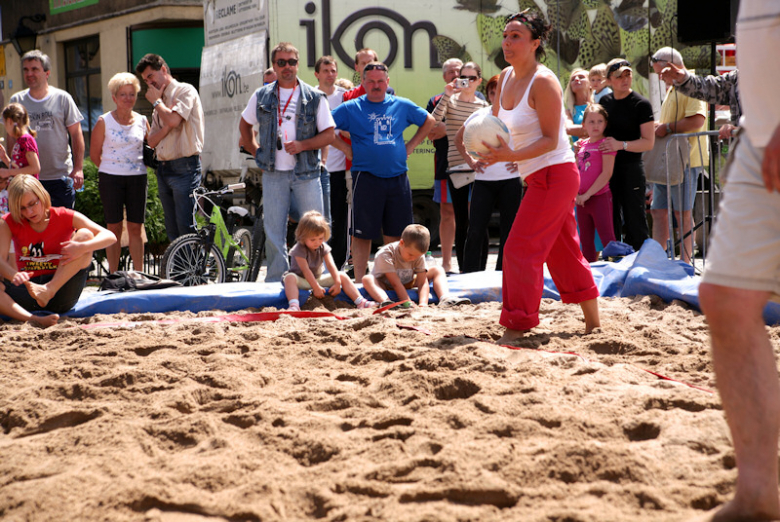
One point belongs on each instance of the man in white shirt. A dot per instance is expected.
(294, 124)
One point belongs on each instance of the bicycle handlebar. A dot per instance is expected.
(237, 186)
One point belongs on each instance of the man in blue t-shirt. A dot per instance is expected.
(381, 195)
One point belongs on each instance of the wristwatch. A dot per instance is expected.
(625, 145)
(158, 102)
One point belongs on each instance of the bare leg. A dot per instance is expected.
(747, 380)
(13, 310)
(114, 250)
(348, 286)
(439, 278)
(446, 234)
(660, 226)
(361, 250)
(374, 290)
(43, 293)
(590, 309)
(136, 245)
(291, 287)
(686, 224)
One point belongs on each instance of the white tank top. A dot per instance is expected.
(122, 152)
(523, 123)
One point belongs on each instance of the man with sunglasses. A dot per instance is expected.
(362, 58)
(177, 133)
(294, 124)
(381, 195)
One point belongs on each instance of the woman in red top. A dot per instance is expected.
(53, 249)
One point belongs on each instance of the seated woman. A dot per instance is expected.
(53, 249)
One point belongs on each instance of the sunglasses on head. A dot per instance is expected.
(520, 17)
(653, 59)
(281, 62)
(375, 67)
(470, 78)
(615, 66)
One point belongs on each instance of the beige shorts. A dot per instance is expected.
(745, 248)
(325, 281)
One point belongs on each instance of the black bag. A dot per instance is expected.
(150, 156)
(125, 281)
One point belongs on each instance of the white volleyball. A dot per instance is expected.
(484, 128)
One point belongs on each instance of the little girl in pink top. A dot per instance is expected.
(24, 156)
(594, 199)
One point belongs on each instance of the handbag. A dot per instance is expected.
(462, 176)
(657, 162)
(150, 156)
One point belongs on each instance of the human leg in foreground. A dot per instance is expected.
(746, 375)
(546, 221)
(13, 310)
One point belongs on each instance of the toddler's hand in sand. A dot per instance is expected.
(318, 291)
(335, 289)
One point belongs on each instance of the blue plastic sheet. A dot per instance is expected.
(647, 272)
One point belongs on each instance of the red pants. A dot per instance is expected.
(544, 231)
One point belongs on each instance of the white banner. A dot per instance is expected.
(230, 73)
(228, 19)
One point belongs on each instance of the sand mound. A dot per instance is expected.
(358, 419)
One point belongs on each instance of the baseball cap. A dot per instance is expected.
(668, 55)
(618, 65)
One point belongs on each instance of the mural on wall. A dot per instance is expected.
(584, 33)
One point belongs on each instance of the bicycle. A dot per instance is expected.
(216, 253)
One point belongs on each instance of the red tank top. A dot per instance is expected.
(39, 252)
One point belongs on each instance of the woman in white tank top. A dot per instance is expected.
(530, 102)
(116, 148)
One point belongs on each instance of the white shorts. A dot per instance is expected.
(745, 248)
(325, 280)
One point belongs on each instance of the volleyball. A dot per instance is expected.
(485, 128)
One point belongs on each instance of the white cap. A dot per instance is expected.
(668, 55)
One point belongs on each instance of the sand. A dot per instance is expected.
(361, 420)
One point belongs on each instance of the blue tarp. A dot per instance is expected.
(647, 272)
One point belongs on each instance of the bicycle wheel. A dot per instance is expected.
(183, 261)
(258, 246)
(238, 267)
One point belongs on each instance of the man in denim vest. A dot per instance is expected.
(294, 123)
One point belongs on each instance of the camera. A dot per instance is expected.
(462, 83)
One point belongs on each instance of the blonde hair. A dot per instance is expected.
(119, 80)
(21, 185)
(312, 224)
(417, 237)
(597, 108)
(18, 114)
(569, 99)
(345, 84)
(599, 69)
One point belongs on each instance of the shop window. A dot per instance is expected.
(82, 73)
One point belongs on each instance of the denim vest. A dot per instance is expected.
(307, 162)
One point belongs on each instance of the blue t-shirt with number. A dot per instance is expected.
(377, 132)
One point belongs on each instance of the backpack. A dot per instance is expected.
(128, 280)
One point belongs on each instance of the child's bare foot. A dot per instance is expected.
(44, 321)
(591, 326)
(510, 336)
(38, 292)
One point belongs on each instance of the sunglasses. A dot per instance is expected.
(282, 62)
(653, 59)
(469, 78)
(375, 67)
(520, 17)
(615, 66)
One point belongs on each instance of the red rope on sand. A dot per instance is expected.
(273, 316)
